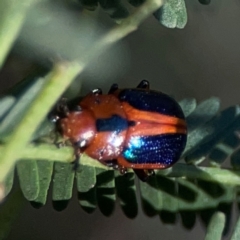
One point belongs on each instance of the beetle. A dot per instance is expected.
(135, 128)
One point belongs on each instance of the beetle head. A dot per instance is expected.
(78, 126)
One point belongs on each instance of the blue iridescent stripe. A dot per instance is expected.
(160, 149)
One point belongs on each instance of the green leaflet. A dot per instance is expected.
(105, 191)
(45, 170)
(5, 104)
(204, 112)
(9, 182)
(197, 123)
(203, 138)
(86, 178)
(172, 14)
(20, 107)
(86, 186)
(62, 184)
(199, 127)
(215, 228)
(126, 192)
(188, 106)
(28, 178)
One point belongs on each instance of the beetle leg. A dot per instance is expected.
(122, 170)
(112, 163)
(78, 149)
(77, 155)
(144, 84)
(144, 174)
(97, 91)
(113, 88)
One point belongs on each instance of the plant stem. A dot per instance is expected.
(51, 153)
(127, 26)
(179, 170)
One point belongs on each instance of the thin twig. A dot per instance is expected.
(127, 26)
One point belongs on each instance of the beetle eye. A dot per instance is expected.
(82, 143)
(77, 108)
(54, 118)
(97, 91)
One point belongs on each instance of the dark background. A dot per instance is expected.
(200, 61)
